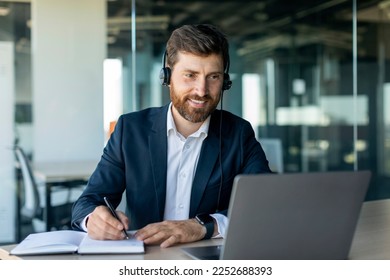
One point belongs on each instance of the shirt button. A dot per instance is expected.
(181, 206)
(187, 146)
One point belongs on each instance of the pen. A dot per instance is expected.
(115, 215)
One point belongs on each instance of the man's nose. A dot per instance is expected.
(201, 86)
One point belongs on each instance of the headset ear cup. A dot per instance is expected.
(227, 83)
(165, 76)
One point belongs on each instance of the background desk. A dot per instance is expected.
(371, 241)
(64, 171)
(71, 174)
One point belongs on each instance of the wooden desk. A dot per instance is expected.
(151, 253)
(372, 236)
(371, 241)
(70, 174)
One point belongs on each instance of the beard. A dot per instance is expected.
(194, 115)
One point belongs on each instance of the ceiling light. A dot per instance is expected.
(4, 11)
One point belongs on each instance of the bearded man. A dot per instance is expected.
(176, 163)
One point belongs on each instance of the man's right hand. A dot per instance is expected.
(102, 225)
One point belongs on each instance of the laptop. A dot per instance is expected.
(291, 216)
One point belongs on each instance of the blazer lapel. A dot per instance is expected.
(158, 156)
(208, 158)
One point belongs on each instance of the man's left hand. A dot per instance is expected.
(168, 233)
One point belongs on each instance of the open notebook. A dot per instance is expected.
(69, 241)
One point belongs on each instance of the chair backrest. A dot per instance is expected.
(273, 150)
(31, 205)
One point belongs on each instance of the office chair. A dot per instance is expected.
(32, 208)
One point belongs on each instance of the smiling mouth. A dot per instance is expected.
(200, 102)
(197, 104)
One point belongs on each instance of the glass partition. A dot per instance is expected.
(311, 76)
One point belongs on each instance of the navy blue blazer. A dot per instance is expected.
(135, 160)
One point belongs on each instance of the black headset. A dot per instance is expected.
(165, 74)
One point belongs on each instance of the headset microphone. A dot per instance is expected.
(220, 154)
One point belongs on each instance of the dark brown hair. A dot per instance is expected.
(201, 39)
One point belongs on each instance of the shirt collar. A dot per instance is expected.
(201, 132)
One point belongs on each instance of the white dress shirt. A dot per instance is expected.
(183, 156)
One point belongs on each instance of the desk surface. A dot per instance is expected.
(372, 236)
(371, 241)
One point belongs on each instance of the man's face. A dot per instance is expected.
(195, 85)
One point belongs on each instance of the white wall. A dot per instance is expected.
(68, 50)
(7, 166)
